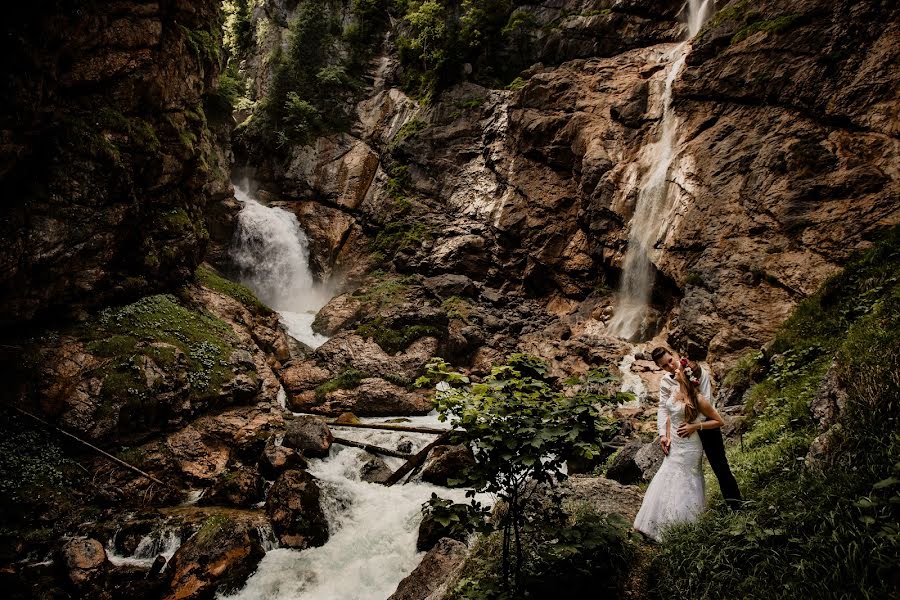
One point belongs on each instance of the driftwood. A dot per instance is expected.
(118, 461)
(371, 448)
(416, 460)
(389, 427)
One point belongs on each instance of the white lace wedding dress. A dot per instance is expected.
(676, 494)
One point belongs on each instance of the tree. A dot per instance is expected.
(522, 428)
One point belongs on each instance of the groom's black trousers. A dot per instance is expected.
(714, 447)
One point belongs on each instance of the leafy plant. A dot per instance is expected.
(522, 428)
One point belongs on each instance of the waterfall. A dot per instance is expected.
(648, 224)
(372, 529)
(271, 252)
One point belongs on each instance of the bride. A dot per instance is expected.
(676, 494)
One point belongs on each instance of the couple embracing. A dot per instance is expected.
(688, 425)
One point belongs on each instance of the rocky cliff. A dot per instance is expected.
(785, 164)
(112, 145)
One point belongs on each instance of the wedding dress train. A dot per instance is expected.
(676, 494)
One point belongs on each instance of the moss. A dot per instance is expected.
(457, 307)
(400, 235)
(469, 103)
(516, 84)
(693, 279)
(211, 529)
(396, 340)
(389, 290)
(212, 280)
(203, 42)
(346, 380)
(743, 374)
(776, 25)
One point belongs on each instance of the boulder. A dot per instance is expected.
(240, 487)
(648, 459)
(624, 469)
(603, 494)
(347, 418)
(373, 397)
(445, 286)
(340, 312)
(436, 568)
(446, 463)
(375, 470)
(294, 508)
(310, 435)
(84, 559)
(218, 558)
(277, 459)
(430, 532)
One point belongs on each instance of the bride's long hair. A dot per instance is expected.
(691, 403)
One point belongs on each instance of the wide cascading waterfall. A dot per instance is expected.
(271, 252)
(373, 529)
(648, 224)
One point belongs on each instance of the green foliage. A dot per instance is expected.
(693, 279)
(397, 236)
(832, 531)
(212, 280)
(745, 372)
(459, 519)
(581, 554)
(237, 30)
(776, 25)
(203, 43)
(395, 340)
(457, 307)
(33, 466)
(345, 380)
(522, 428)
(389, 290)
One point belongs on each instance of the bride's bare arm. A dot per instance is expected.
(715, 419)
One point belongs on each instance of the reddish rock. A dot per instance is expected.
(309, 435)
(294, 509)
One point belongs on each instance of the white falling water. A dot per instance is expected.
(648, 224)
(271, 252)
(162, 542)
(373, 530)
(631, 382)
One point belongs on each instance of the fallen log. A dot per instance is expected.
(417, 459)
(389, 427)
(118, 461)
(371, 448)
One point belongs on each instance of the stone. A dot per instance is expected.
(219, 557)
(436, 568)
(649, 459)
(340, 312)
(240, 487)
(294, 508)
(603, 494)
(373, 397)
(624, 468)
(83, 559)
(445, 286)
(310, 435)
(446, 463)
(375, 470)
(347, 418)
(276, 459)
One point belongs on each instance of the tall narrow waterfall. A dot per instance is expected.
(648, 224)
(271, 252)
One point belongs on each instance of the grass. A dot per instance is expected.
(457, 307)
(396, 340)
(826, 531)
(346, 380)
(776, 25)
(212, 280)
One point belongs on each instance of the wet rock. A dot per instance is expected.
(624, 469)
(83, 559)
(310, 435)
(649, 459)
(347, 418)
(446, 463)
(430, 532)
(218, 558)
(375, 470)
(373, 397)
(277, 459)
(294, 509)
(436, 568)
(340, 312)
(240, 487)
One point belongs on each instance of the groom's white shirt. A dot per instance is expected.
(667, 387)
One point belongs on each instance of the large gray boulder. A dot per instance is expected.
(437, 567)
(310, 435)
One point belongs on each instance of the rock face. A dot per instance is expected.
(624, 468)
(294, 510)
(435, 569)
(447, 463)
(110, 156)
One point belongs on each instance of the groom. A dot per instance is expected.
(713, 444)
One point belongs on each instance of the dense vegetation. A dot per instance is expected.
(828, 527)
(523, 427)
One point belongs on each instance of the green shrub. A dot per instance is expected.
(345, 380)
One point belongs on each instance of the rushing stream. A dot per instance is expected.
(373, 528)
